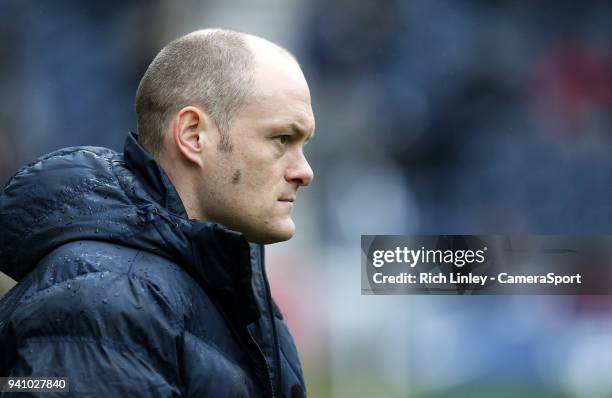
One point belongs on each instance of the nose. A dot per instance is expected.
(300, 171)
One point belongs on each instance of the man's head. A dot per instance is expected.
(227, 115)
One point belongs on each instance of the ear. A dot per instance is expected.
(192, 130)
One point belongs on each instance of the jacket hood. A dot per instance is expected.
(91, 193)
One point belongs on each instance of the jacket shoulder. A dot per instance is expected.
(102, 264)
(114, 271)
(99, 283)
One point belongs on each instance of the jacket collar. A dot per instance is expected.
(148, 171)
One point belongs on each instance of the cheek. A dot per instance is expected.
(260, 180)
(253, 190)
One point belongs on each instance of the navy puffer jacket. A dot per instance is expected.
(125, 296)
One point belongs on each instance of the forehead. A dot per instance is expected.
(280, 109)
(280, 92)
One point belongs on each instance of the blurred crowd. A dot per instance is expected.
(433, 117)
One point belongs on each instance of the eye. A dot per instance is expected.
(282, 139)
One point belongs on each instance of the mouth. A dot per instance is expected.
(288, 201)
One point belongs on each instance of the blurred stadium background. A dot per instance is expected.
(432, 117)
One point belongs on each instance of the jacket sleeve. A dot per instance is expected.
(111, 334)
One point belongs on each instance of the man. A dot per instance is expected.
(142, 274)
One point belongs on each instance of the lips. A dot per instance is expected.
(287, 199)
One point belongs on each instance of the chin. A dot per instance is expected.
(273, 233)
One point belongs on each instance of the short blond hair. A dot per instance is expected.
(211, 68)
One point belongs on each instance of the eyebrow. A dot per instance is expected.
(300, 131)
